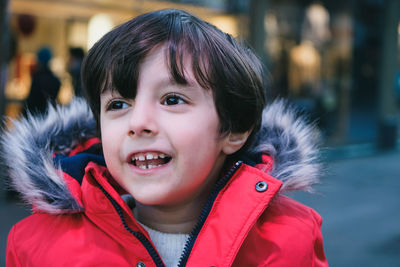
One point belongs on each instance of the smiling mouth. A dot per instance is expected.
(149, 160)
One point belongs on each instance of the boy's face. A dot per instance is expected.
(164, 146)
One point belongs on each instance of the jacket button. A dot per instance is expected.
(140, 264)
(261, 186)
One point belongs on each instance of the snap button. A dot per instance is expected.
(261, 186)
(140, 264)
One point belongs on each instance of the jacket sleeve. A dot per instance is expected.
(319, 259)
(11, 255)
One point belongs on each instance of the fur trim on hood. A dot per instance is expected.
(27, 154)
(293, 145)
(28, 148)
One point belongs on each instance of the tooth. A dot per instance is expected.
(142, 167)
(161, 156)
(150, 166)
(159, 165)
(155, 156)
(149, 156)
(141, 157)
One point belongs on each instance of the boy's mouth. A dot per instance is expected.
(149, 160)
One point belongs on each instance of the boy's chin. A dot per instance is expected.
(166, 202)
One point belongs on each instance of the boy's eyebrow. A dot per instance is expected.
(165, 82)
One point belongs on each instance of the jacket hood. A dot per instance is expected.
(292, 143)
(29, 145)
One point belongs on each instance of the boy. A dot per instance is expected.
(186, 174)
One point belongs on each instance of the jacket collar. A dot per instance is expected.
(235, 210)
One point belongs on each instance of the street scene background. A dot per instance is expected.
(337, 61)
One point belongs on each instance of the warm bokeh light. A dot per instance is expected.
(316, 26)
(225, 23)
(78, 34)
(99, 25)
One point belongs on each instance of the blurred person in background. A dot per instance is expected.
(76, 55)
(45, 85)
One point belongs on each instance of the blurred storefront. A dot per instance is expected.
(338, 60)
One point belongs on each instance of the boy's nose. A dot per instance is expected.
(142, 121)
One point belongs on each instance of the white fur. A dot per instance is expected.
(292, 143)
(27, 150)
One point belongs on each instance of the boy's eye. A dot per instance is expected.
(173, 99)
(117, 104)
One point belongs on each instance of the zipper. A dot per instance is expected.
(196, 230)
(205, 212)
(145, 242)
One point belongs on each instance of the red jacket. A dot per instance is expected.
(80, 218)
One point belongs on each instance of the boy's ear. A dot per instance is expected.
(234, 141)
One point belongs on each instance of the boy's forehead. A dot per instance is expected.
(160, 58)
(182, 58)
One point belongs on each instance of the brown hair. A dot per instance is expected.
(219, 63)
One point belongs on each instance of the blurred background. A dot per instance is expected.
(337, 60)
